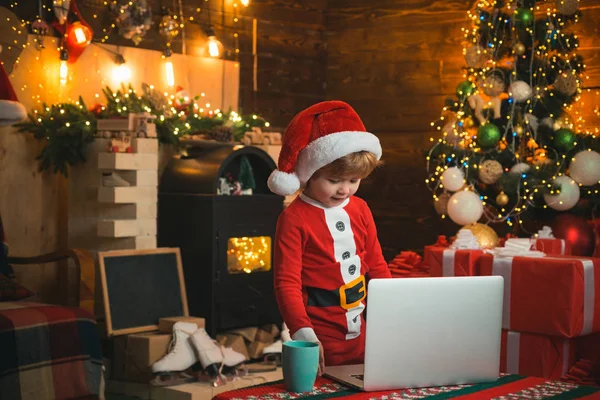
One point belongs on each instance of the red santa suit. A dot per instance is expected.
(322, 254)
(322, 257)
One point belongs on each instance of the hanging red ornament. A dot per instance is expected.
(78, 35)
(76, 32)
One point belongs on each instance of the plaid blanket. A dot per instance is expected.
(48, 352)
(506, 387)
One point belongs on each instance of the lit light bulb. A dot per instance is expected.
(170, 73)
(63, 70)
(245, 2)
(213, 46)
(121, 72)
(80, 35)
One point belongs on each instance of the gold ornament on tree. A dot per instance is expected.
(490, 171)
(441, 204)
(502, 199)
(566, 83)
(475, 56)
(486, 236)
(493, 85)
(567, 7)
(519, 48)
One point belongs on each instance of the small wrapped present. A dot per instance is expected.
(536, 355)
(554, 296)
(445, 261)
(408, 264)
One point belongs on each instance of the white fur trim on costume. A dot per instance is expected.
(326, 149)
(11, 112)
(282, 183)
(306, 334)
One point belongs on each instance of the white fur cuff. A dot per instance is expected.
(11, 112)
(306, 334)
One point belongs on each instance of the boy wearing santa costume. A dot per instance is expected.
(326, 241)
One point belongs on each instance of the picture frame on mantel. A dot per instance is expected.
(141, 286)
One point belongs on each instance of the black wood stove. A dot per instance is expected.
(226, 241)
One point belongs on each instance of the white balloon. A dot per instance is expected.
(568, 197)
(520, 90)
(465, 207)
(585, 168)
(453, 179)
(520, 168)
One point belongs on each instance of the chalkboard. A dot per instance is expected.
(141, 286)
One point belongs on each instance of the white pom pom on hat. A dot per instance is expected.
(315, 138)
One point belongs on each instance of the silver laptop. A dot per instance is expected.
(424, 332)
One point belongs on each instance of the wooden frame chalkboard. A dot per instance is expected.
(141, 286)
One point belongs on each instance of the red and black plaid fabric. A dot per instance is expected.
(48, 352)
(11, 290)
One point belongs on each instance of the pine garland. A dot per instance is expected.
(66, 129)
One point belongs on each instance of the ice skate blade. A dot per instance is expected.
(261, 367)
(171, 379)
(272, 358)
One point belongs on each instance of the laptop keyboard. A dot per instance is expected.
(358, 376)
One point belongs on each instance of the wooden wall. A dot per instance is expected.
(290, 76)
(395, 62)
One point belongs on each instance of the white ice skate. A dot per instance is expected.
(171, 369)
(218, 363)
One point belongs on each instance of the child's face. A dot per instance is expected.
(331, 190)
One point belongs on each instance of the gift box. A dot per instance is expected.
(445, 261)
(535, 355)
(558, 247)
(553, 296)
(133, 355)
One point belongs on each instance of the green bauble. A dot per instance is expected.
(564, 139)
(465, 89)
(524, 16)
(488, 135)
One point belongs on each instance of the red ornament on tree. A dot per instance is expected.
(77, 34)
(577, 232)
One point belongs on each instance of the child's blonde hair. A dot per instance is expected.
(357, 165)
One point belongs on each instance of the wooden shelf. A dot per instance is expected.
(128, 161)
(128, 194)
(118, 228)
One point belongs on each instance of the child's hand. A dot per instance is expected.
(321, 360)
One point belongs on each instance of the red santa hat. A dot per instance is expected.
(315, 138)
(11, 111)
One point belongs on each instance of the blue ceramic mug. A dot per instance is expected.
(300, 365)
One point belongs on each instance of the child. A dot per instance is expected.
(326, 240)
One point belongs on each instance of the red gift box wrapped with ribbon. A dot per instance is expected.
(558, 247)
(536, 355)
(548, 295)
(444, 261)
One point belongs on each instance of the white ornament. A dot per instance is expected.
(465, 207)
(532, 121)
(520, 168)
(568, 197)
(453, 179)
(520, 91)
(585, 168)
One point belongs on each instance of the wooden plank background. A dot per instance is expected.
(395, 62)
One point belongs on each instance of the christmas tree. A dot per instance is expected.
(507, 149)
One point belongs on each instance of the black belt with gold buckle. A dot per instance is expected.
(346, 296)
